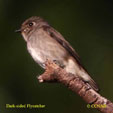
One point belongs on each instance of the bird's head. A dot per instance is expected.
(30, 25)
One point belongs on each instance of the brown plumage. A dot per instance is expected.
(44, 42)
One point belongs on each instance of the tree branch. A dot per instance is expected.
(54, 73)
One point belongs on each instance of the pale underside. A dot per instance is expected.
(46, 47)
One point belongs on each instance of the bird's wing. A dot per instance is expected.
(59, 38)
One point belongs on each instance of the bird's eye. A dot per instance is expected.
(31, 24)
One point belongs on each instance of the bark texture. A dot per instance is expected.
(54, 73)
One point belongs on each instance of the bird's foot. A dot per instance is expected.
(58, 63)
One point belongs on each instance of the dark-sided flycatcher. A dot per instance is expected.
(44, 42)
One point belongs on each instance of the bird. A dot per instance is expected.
(45, 43)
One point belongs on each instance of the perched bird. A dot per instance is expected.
(44, 42)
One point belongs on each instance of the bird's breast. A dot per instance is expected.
(42, 47)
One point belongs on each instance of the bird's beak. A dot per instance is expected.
(18, 30)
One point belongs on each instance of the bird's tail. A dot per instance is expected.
(90, 81)
(93, 84)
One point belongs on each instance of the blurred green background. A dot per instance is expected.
(86, 24)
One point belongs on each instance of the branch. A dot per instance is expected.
(54, 73)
